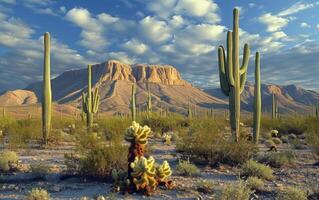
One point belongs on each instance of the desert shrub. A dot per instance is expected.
(163, 124)
(205, 186)
(284, 139)
(113, 127)
(38, 194)
(292, 193)
(39, 170)
(8, 159)
(20, 131)
(277, 141)
(99, 160)
(253, 168)
(269, 143)
(292, 136)
(255, 183)
(205, 141)
(278, 159)
(296, 143)
(236, 192)
(185, 168)
(90, 141)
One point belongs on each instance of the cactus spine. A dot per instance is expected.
(232, 77)
(47, 95)
(90, 100)
(257, 100)
(133, 103)
(274, 107)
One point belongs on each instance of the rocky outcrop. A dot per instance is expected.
(18, 97)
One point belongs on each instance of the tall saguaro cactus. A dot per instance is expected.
(90, 100)
(149, 99)
(133, 103)
(47, 95)
(232, 76)
(274, 107)
(257, 100)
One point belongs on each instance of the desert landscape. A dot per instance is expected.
(118, 130)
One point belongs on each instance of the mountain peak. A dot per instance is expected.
(113, 70)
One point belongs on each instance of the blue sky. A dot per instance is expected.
(182, 33)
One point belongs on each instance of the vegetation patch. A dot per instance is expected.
(253, 168)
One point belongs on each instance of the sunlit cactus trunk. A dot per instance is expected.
(133, 103)
(274, 107)
(47, 95)
(257, 100)
(232, 76)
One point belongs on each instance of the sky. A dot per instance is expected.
(182, 33)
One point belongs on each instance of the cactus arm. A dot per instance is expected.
(243, 78)
(47, 95)
(244, 65)
(222, 72)
(257, 100)
(229, 65)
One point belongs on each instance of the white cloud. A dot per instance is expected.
(9, 1)
(295, 8)
(107, 19)
(279, 35)
(92, 31)
(317, 26)
(162, 8)
(154, 30)
(273, 22)
(197, 8)
(135, 46)
(62, 9)
(122, 57)
(304, 25)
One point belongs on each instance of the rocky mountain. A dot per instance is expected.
(18, 97)
(290, 97)
(114, 80)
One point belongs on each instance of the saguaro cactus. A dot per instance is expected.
(90, 100)
(257, 100)
(189, 110)
(274, 107)
(3, 111)
(149, 99)
(232, 77)
(47, 95)
(133, 103)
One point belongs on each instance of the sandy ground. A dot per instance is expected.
(303, 174)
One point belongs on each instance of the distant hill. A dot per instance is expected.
(168, 90)
(290, 97)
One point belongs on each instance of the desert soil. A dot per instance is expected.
(303, 174)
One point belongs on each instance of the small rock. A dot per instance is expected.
(55, 188)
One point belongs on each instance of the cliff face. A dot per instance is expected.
(114, 80)
(113, 70)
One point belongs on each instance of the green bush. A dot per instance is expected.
(205, 141)
(38, 194)
(99, 160)
(255, 183)
(185, 168)
(253, 168)
(205, 186)
(278, 159)
(236, 192)
(292, 193)
(39, 170)
(8, 159)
